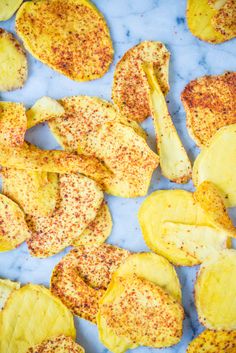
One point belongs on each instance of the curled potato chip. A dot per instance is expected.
(129, 91)
(12, 123)
(174, 225)
(70, 36)
(217, 163)
(6, 288)
(224, 20)
(81, 277)
(78, 203)
(98, 230)
(59, 344)
(31, 315)
(215, 288)
(13, 227)
(44, 109)
(8, 8)
(214, 342)
(210, 103)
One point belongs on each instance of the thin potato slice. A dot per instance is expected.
(217, 163)
(13, 62)
(59, 344)
(81, 277)
(31, 315)
(13, 227)
(6, 288)
(70, 36)
(78, 203)
(214, 342)
(129, 91)
(44, 109)
(215, 288)
(210, 103)
(174, 161)
(224, 20)
(8, 8)
(98, 230)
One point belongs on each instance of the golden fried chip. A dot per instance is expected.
(6, 288)
(78, 203)
(178, 228)
(215, 291)
(13, 61)
(138, 313)
(12, 123)
(31, 315)
(214, 342)
(224, 20)
(35, 192)
(98, 230)
(8, 8)
(217, 163)
(44, 109)
(210, 103)
(70, 36)
(129, 91)
(81, 277)
(59, 344)
(13, 227)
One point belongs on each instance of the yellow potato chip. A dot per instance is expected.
(6, 288)
(59, 344)
(13, 62)
(44, 109)
(215, 291)
(217, 163)
(98, 230)
(214, 342)
(31, 315)
(129, 85)
(81, 277)
(13, 227)
(224, 20)
(70, 36)
(77, 205)
(210, 103)
(8, 8)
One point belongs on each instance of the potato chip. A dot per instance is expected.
(81, 277)
(178, 228)
(224, 20)
(35, 192)
(126, 154)
(210, 103)
(217, 163)
(214, 342)
(70, 36)
(8, 8)
(6, 288)
(215, 288)
(98, 230)
(13, 227)
(59, 344)
(44, 109)
(78, 203)
(138, 312)
(129, 90)
(174, 161)
(31, 315)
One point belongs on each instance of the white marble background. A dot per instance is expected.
(130, 21)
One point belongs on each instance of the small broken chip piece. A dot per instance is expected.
(6, 288)
(59, 344)
(210, 103)
(20, 330)
(224, 21)
(8, 8)
(13, 62)
(78, 202)
(13, 227)
(129, 91)
(70, 36)
(81, 277)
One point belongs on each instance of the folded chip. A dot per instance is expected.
(224, 20)
(129, 91)
(8, 8)
(78, 202)
(6, 288)
(214, 342)
(13, 227)
(30, 316)
(13, 61)
(217, 163)
(70, 36)
(210, 103)
(81, 277)
(59, 344)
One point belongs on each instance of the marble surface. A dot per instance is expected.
(130, 21)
